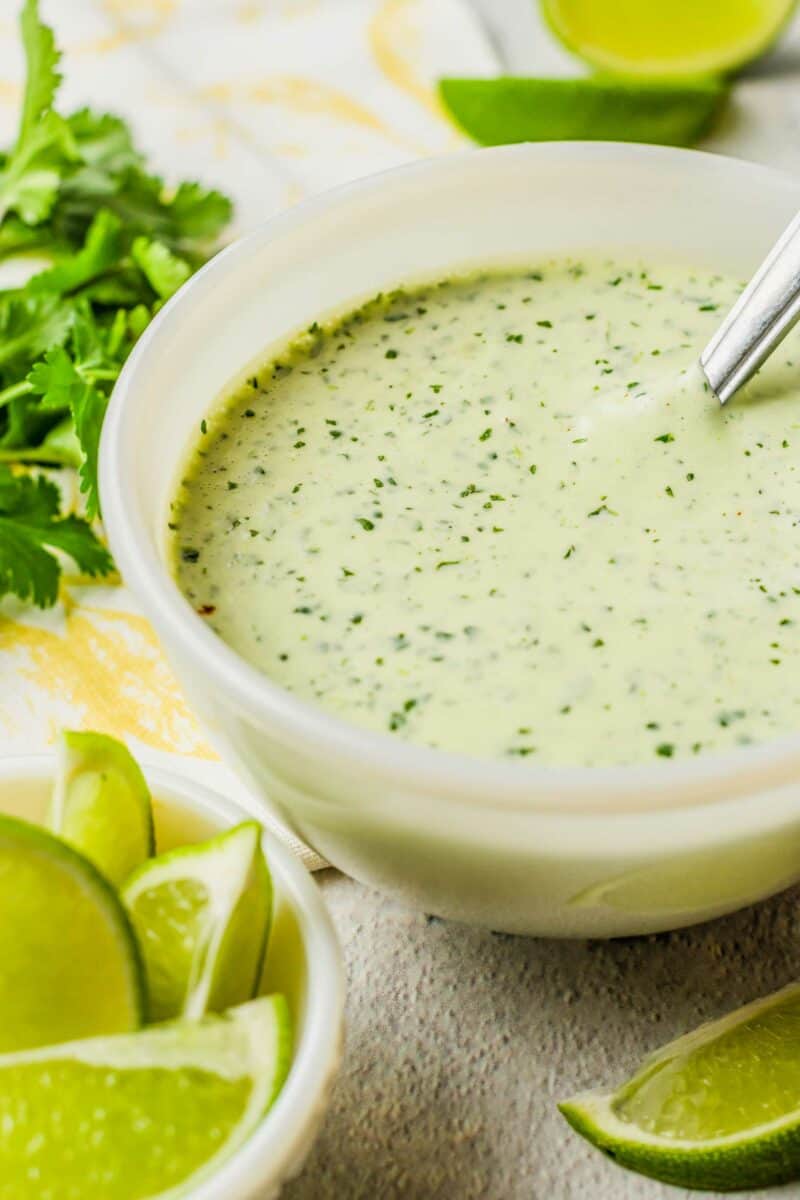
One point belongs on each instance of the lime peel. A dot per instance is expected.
(66, 923)
(512, 108)
(690, 1080)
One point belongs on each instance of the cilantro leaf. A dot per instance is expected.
(78, 381)
(187, 222)
(29, 325)
(162, 269)
(18, 238)
(54, 378)
(30, 529)
(27, 497)
(95, 347)
(25, 425)
(197, 212)
(88, 412)
(43, 78)
(132, 194)
(30, 177)
(101, 250)
(120, 243)
(58, 448)
(106, 151)
(71, 384)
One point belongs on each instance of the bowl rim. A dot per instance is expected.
(521, 786)
(284, 1133)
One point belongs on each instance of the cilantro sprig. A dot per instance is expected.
(31, 528)
(76, 189)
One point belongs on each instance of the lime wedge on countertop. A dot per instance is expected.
(202, 916)
(101, 804)
(139, 1115)
(718, 1109)
(683, 37)
(69, 963)
(517, 109)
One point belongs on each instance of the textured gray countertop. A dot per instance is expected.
(460, 1041)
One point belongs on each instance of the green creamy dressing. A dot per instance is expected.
(502, 515)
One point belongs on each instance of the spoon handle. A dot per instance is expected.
(759, 320)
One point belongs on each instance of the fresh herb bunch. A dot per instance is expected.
(76, 190)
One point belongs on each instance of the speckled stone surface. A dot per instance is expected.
(460, 1041)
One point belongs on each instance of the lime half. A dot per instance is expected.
(202, 916)
(69, 964)
(683, 37)
(516, 109)
(101, 804)
(139, 1115)
(718, 1109)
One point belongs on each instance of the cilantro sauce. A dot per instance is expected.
(501, 515)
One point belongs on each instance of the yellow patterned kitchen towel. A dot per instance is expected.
(269, 100)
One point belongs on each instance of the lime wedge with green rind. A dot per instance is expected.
(69, 962)
(515, 109)
(683, 37)
(202, 916)
(148, 1114)
(101, 804)
(718, 1109)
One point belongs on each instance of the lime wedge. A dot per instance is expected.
(139, 1115)
(514, 109)
(683, 37)
(717, 1109)
(69, 964)
(202, 916)
(101, 804)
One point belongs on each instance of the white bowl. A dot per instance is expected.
(573, 851)
(304, 962)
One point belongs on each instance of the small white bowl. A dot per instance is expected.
(566, 851)
(304, 961)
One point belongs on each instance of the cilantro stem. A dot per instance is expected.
(58, 456)
(116, 334)
(11, 348)
(23, 388)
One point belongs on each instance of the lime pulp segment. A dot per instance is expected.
(202, 916)
(716, 1109)
(69, 963)
(682, 38)
(141, 1115)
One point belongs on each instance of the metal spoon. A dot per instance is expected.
(759, 320)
